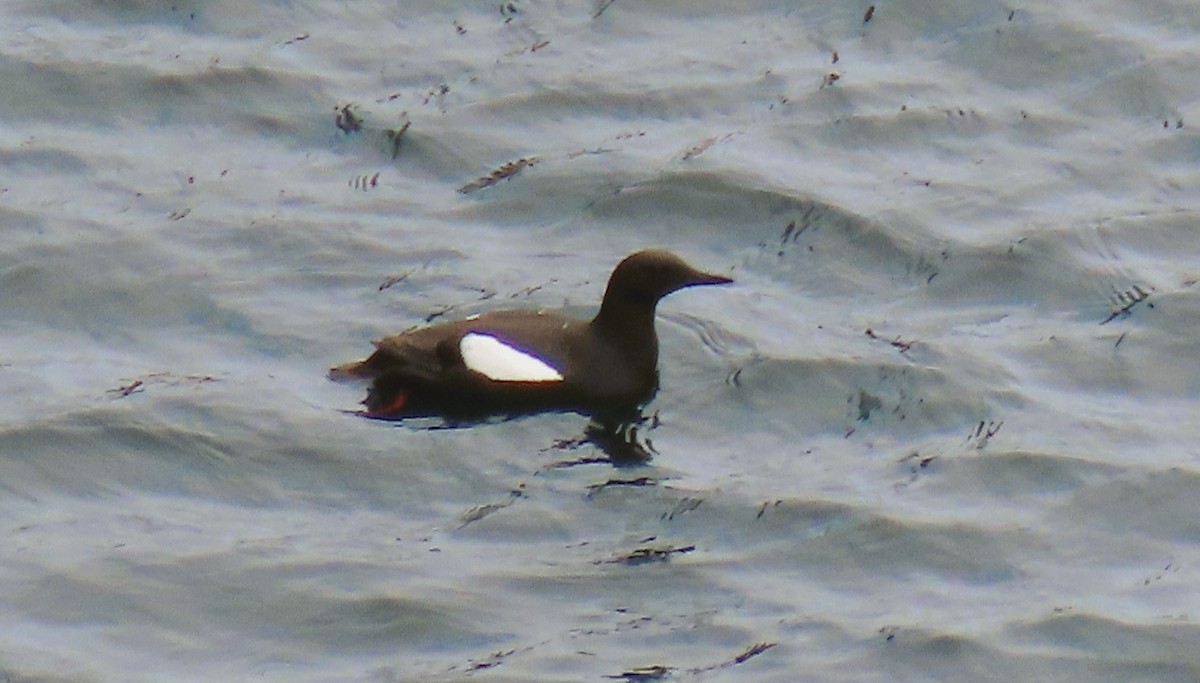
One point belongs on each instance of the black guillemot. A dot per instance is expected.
(509, 363)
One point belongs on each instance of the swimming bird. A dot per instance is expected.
(514, 362)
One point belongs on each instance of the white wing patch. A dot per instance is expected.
(500, 362)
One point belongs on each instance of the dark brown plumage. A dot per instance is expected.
(607, 366)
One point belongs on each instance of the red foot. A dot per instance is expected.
(392, 408)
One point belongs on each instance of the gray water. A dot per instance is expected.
(941, 428)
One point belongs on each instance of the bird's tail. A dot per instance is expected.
(350, 372)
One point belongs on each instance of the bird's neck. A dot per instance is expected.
(629, 326)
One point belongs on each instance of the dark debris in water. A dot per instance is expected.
(586, 460)
(899, 344)
(762, 510)
(503, 173)
(444, 310)
(395, 136)
(648, 554)
(917, 465)
(482, 511)
(365, 182)
(811, 217)
(133, 387)
(138, 385)
(659, 672)
(685, 505)
(346, 120)
(495, 660)
(983, 432)
(703, 146)
(753, 651)
(436, 94)
(532, 47)
(395, 280)
(600, 6)
(1123, 302)
(593, 489)
(644, 673)
(917, 462)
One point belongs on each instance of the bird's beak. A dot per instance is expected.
(710, 279)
